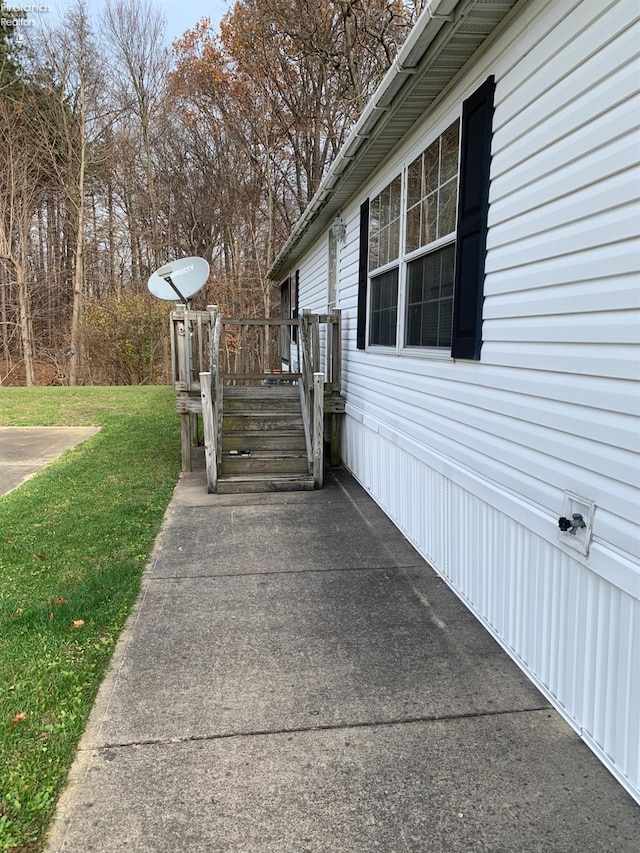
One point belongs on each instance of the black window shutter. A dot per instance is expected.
(363, 275)
(473, 207)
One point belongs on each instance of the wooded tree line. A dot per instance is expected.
(119, 153)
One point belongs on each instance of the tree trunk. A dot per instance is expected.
(4, 321)
(78, 276)
(26, 334)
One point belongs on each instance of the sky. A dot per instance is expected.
(180, 15)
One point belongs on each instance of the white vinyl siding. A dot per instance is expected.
(472, 460)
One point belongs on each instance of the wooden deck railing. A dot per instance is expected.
(257, 350)
(210, 351)
(191, 333)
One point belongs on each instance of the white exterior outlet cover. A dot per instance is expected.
(581, 539)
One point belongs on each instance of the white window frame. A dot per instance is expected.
(432, 352)
(386, 267)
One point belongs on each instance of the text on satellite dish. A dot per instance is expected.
(183, 270)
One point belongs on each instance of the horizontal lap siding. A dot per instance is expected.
(554, 402)
(314, 277)
(471, 460)
(314, 286)
(562, 301)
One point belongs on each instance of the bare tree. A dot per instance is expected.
(129, 164)
(72, 127)
(135, 32)
(21, 189)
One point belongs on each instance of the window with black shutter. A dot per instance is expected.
(473, 208)
(430, 259)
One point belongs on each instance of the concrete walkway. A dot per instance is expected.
(26, 450)
(296, 679)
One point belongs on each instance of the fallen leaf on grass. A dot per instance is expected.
(17, 612)
(51, 617)
(78, 623)
(19, 718)
(61, 601)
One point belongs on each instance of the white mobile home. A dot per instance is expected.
(479, 233)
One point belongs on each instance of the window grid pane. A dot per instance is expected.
(384, 225)
(384, 308)
(413, 226)
(438, 165)
(430, 299)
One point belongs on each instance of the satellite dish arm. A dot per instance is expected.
(167, 278)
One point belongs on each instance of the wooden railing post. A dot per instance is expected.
(182, 378)
(318, 429)
(315, 343)
(305, 383)
(336, 350)
(209, 426)
(217, 388)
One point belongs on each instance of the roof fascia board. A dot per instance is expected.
(433, 18)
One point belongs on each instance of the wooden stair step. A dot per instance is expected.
(266, 462)
(255, 440)
(266, 422)
(249, 405)
(245, 483)
(262, 421)
(281, 391)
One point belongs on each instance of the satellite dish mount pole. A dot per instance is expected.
(169, 281)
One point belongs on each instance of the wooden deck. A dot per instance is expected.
(267, 392)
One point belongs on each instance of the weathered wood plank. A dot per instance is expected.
(262, 421)
(280, 440)
(210, 438)
(333, 404)
(336, 351)
(265, 462)
(243, 483)
(315, 344)
(318, 429)
(334, 440)
(188, 405)
(259, 321)
(185, 442)
(284, 377)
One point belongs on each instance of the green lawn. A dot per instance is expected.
(74, 541)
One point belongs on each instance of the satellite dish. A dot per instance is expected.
(179, 279)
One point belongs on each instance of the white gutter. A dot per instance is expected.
(433, 17)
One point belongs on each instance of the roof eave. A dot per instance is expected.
(436, 27)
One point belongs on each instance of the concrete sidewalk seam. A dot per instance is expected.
(328, 727)
(281, 572)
